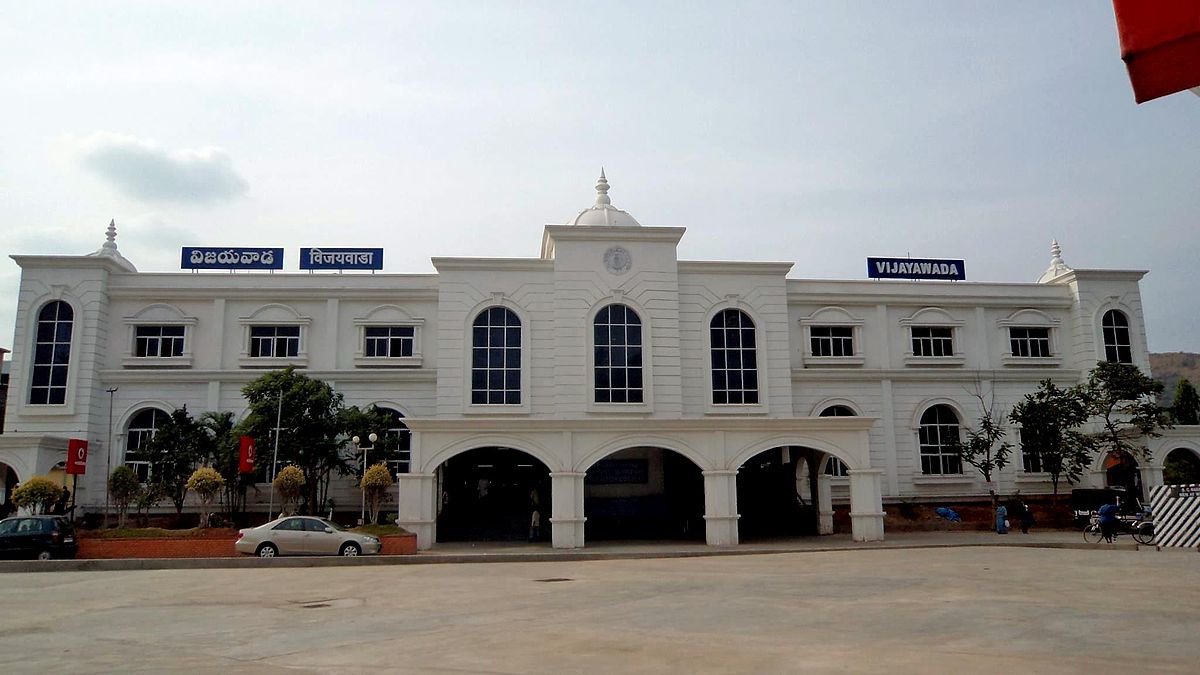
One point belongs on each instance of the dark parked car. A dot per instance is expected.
(40, 537)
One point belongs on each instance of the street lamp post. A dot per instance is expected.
(362, 516)
(108, 453)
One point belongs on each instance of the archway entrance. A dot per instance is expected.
(778, 493)
(8, 483)
(1181, 467)
(490, 494)
(644, 493)
(1121, 470)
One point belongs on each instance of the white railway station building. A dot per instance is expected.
(637, 394)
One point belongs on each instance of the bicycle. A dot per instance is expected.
(1141, 529)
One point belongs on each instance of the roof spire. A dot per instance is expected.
(602, 189)
(1058, 266)
(110, 236)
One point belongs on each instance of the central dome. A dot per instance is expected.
(603, 212)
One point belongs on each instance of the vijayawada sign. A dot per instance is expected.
(916, 268)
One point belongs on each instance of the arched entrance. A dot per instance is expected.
(490, 494)
(1121, 471)
(8, 482)
(1181, 467)
(644, 493)
(778, 493)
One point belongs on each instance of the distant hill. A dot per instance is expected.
(1168, 368)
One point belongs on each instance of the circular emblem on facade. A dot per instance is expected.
(617, 260)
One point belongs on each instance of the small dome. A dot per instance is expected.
(603, 212)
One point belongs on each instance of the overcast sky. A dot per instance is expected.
(813, 132)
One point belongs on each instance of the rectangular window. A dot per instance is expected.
(1031, 459)
(832, 340)
(158, 341)
(1029, 342)
(383, 342)
(932, 341)
(274, 341)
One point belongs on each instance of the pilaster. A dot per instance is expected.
(720, 507)
(824, 505)
(417, 506)
(866, 504)
(566, 525)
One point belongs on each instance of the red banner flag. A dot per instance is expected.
(247, 455)
(76, 456)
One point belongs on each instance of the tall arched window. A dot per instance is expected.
(617, 337)
(1117, 346)
(734, 358)
(51, 354)
(835, 466)
(496, 357)
(142, 427)
(937, 435)
(398, 434)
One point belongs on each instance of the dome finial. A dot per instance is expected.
(602, 189)
(110, 236)
(1058, 266)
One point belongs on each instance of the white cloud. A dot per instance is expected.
(146, 171)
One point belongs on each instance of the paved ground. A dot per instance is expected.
(963, 609)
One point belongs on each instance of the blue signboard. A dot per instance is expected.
(916, 268)
(341, 258)
(200, 258)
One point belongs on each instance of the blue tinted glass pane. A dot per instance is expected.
(512, 379)
(56, 396)
(45, 331)
(634, 335)
(479, 336)
(618, 396)
(496, 379)
(718, 338)
(618, 357)
(58, 376)
(602, 378)
(635, 378)
(512, 358)
(41, 376)
(635, 396)
(513, 337)
(600, 335)
(62, 332)
(603, 396)
(635, 356)
(602, 356)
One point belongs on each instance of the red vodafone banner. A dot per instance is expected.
(247, 455)
(76, 456)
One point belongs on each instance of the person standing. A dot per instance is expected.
(1026, 518)
(1108, 520)
(535, 516)
(1001, 519)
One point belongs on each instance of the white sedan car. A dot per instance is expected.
(303, 535)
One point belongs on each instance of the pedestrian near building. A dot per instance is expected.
(1026, 518)
(1001, 519)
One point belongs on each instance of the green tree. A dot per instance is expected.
(207, 483)
(147, 497)
(124, 487)
(375, 484)
(363, 422)
(1186, 408)
(224, 453)
(311, 424)
(1050, 419)
(1123, 402)
(980, 448)
(177, 447)
(290, 484)
(38, 494)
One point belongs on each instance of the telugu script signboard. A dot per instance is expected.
(341, 258)
(916, 268)
(202, 258)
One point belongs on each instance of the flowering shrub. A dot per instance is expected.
(207, 483)
(375, 483)
(289, 483)
(38, 493)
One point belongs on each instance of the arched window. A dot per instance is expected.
(1117, 347)
(397, 433)
(734, 358)
(835, 466)
(142, 427)
(51, 354)
(496, 357)
(937, 435)
(617, 336)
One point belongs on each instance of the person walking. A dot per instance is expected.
(535, 516)
(1001, 519)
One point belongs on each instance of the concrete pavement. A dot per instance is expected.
(933, 609)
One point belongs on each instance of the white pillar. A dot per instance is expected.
(720, 508)
(566, 494)
(866, 504)
(1152, 477)
(824, 504)
(417, 506)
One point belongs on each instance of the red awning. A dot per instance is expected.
(1160, 44)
